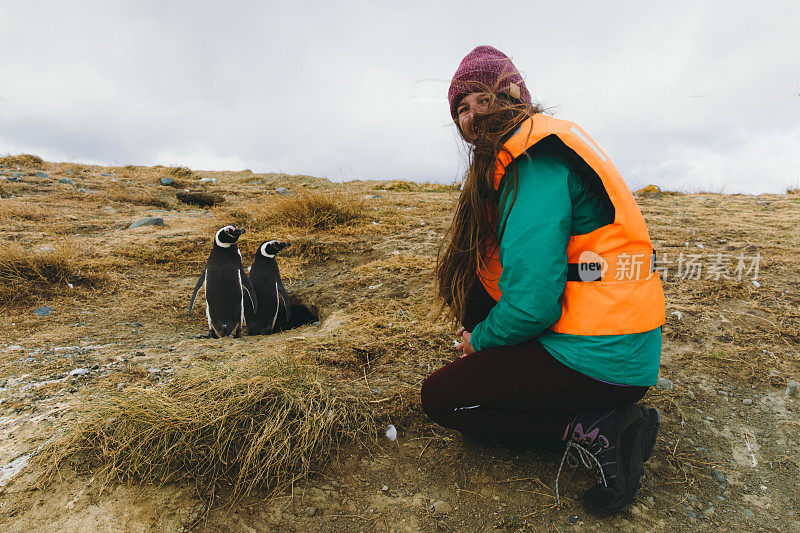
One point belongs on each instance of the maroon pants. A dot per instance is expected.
(514, 391)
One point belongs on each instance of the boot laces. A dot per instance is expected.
(576, 454)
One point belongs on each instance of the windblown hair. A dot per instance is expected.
(474, 229)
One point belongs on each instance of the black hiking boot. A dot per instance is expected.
(615, 443)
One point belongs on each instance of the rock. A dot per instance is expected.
(84, 190)
(441, 507)
(311, 511)
(719, 476)
(748, 513)
(385, 488)
(107, 174)
(651, 191)
(709, 512)
(691, 515)
(747, 401)
(167, 181)
(149, 221)
(41, 174)
(282, 190)
(664, 384)
(373, 196)
(793, 389)
(79, 372)
(391, 432)
(208, 180)
(42, 311)
(67, 181)
(574, 519)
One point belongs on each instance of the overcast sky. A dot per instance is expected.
(687, 95)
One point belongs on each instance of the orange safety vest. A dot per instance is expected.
(611, 287)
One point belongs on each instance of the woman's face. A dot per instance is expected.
(466, 109)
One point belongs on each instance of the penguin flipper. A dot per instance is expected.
(197, 288)
(251, 291)
(283, 295)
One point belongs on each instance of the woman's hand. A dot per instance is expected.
(464, 346)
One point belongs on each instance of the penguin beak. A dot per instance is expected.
(281, 245)
(238, 232)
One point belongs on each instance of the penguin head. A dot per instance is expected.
(227, 235)
(270, 248)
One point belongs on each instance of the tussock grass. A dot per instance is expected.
(261, 425)
(180, 172)
(137, 197)
(317, 210)
(25, 274)
(307, 209)
(22, 160)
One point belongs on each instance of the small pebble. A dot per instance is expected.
(441, 507)
(747, 401)
(719, 476)
(148, 221)
(748, 513)
(79, 372)
(208, 180)
(691, 515)
(41, 174)
(67, 181)
(311, 511)
(42, 311)
(664, 384)
(282, 190)
(574, 518)
(793, 389)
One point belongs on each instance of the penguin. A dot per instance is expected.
(278, 310)
(225, 282)
(270, 292)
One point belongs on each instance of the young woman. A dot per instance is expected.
(548, 266)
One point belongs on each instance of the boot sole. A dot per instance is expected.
(653, 424)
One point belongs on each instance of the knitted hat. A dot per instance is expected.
(489, 67)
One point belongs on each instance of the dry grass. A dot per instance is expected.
(25, 274)
(261, 426)
(22, 160)
(20, 210)
(317, 210)
(137, 197)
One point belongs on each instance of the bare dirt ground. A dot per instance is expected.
(726, 458)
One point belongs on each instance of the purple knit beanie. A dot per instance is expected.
(491, 68)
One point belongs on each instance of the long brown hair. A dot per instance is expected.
(476, 219)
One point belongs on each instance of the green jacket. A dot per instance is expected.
(552, 203)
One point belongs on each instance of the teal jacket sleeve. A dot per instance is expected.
(533, 252)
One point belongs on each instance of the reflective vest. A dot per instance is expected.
(611, 287)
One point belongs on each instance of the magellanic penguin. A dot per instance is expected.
(273, 309)
(225, 284)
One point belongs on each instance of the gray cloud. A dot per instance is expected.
(687, 95)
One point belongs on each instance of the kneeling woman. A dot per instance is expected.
(549, 268)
